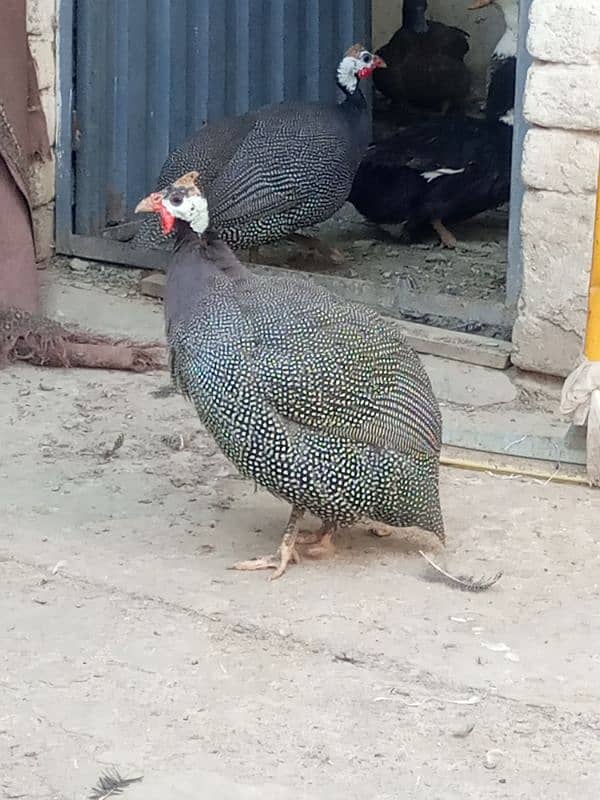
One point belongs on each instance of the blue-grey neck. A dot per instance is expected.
(195, 263)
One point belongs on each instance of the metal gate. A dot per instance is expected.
(139, 76)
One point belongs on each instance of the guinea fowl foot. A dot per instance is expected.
(318, 543)
(330, 254)
(287, 551)
(448, 239)
(323, 548)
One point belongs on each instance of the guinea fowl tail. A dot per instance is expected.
(45, 343)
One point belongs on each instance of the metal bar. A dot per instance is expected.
(292, 44)
(328, 59)
(240, 77)
(157, 108)
(254, 55)
(176, 99)
(90, 105)
(217, 97)
(64, 136)
(311, 62)
(514, 272)
(197, 71)
(275, 30)
(117, 92)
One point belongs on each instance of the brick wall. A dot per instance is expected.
(560, 168)
(41, 30)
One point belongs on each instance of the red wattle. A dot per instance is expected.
(167, 220)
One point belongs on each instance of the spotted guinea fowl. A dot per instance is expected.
(425, 62)
(443, 171)
(283, 167)
(316, 399)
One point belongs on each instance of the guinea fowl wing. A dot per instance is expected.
(337, 369)
(205, 152)
(304, 173)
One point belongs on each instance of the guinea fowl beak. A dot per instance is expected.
(150, 204)
(153, 204)
(480, 4)
(379, 63)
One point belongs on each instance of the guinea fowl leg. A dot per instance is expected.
(287, 550)
(320, 542)
(331, 254)
(448, 239)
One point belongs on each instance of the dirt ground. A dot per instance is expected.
(126, 642)
(475, 269)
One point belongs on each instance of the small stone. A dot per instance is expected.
(492, 758)
(464, 731)
(78, 265)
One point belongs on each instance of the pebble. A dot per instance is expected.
(78, 265)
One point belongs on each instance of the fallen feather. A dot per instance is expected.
(110, 784)
(465, 581)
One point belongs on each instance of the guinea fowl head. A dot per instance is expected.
(183, 199)
(356, 64)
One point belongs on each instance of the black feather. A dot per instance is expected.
(110, 784)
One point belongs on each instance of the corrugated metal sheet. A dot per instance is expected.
(147, 73)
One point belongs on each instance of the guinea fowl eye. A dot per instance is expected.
(176, 199)
(367, 58)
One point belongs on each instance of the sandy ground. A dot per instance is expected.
(127, 642)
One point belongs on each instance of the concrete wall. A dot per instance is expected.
(485, 28)
(560, 168)
(41, 29)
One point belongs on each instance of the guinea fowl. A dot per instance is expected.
(316, 399)
(281, 168)
(440, 172)
(425, 62)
